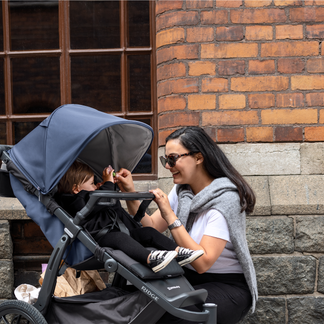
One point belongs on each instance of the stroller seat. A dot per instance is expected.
(36, 164)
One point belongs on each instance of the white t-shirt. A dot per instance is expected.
(212, 223)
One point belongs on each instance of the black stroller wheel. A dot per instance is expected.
(20, 312)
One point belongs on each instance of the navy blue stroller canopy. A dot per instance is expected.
(73, 131)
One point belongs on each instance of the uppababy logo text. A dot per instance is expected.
(173, 287)
(149, 293)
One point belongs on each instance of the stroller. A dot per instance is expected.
(34, 167)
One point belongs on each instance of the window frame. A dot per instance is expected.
(65, 53)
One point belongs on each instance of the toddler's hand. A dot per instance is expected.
(108, 174)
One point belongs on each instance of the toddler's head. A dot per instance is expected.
(78, 177)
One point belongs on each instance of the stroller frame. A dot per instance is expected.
(160, 304)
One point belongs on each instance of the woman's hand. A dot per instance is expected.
(163, 203)
(124, 180)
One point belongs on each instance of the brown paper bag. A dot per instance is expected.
(68, 285)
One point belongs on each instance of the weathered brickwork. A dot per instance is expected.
(265, 56)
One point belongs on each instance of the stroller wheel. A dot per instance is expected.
(20, 312)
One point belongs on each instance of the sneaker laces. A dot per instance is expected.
(156, 255)
(184, 251)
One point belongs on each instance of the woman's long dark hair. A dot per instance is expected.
(195, 139)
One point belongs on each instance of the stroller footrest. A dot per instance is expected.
(142, 271)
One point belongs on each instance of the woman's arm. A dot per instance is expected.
(212, 246)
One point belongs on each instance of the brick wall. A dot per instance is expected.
(251, 73)
(247, 71)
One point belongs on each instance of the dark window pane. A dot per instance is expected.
(96, 82)
(2, 94)
(34, 25)
(145, 165)
(35, 84)
(1, 29)
(3, 133)
(139, 82)
(22, 129)
(139, 23)
(94, 24)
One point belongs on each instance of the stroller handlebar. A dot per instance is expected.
(108, 198)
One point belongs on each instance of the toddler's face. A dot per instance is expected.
(88, 185)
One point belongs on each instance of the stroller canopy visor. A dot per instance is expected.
(75, 131)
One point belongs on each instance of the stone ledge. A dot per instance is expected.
(299, 194)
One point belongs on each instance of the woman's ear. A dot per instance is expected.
(199, 158)
(75, 189)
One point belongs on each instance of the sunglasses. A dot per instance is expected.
(172, 159)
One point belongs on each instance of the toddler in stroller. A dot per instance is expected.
(104, 224)
(35, 166)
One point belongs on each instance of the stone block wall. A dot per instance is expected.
(285, 233)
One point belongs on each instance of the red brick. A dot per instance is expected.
(171, 71)
(285, 3)
(259, 32)
(315, 99)
(231, 67)
(314, 134)
(230, 135)
(307, 14)
(171, 103)
(232, 101)
(211, 131)
(261, 67)
(229, 50)
(201, 68)
(294, 48)
(214, 85)
(291, 100)
(229, 3)
(177, 86)
(260, 83)
(307, 82)
(179, 119)
(258, 16)
(201, 101)
(229, 117)
(163, 135)
(321, 116)
(162, 6)
(199, 4)
(232, 33)
(315, 65)
(264, 100)
(315, 31)
(179, 52)
(178, 18)
(290, 65)
(289, 32)
(257, 3)
(200, 34)
(314, 2)
(214, 17)
(170, 36)
(288, 134)
(288, 116)
(259, 134)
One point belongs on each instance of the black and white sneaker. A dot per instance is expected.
(186, 256)
(158, 260)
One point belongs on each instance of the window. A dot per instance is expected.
(95, 53)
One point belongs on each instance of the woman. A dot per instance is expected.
(206, 211)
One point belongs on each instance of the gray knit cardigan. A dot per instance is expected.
(222, 195)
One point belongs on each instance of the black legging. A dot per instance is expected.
(229, 292)
(134, 244)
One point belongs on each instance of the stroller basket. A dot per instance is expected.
(35, 166)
